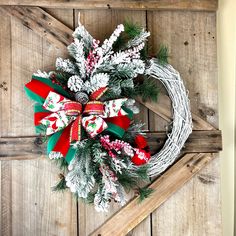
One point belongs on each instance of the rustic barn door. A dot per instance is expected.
(31, 38)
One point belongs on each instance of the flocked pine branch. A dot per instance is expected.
(75, 49)
(66, 65)
(82, 34)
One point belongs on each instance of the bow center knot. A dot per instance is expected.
(91, 108)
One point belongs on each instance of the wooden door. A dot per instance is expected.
(31, 38)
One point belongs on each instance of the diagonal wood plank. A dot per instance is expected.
(200, 5)
(42, 23)
(167, 184)
(164, 110)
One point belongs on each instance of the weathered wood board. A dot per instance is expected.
(27, 204)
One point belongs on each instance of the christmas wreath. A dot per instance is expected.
(85, 109)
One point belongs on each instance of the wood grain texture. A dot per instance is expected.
(164, 187)
(25, 148)
(192, 209)
(193, 52)
(5, 123)
(24, 184)
(164, 111)
(5, 74)
(39, 21)
(192, 49)
(200, 5)
(190, 37)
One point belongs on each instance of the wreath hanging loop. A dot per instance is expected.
(86, 108)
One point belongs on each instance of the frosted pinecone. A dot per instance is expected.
(98, 81)
(75, 83)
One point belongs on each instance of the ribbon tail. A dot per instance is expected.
(75, 131)
(59, 144)
(39, 114)
(93, 125)
(98, 93)
(119, 124)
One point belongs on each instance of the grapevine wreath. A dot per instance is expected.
(86, 111)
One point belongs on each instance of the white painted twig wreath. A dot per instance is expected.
(182, 119)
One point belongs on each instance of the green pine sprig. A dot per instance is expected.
(61, 185)
(127, 180)
(132, 29)
(142, 172)
(61, 163)
(163, 55)
(147, 90)
(144, 193)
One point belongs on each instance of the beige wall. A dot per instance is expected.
(227, 68)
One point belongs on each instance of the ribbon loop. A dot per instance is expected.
(113, 108)
(54, 102)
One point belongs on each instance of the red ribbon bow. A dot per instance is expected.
(67, 112)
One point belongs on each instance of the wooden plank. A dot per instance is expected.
(64, 217)
(202, 5)
(6, 201)
(36, 210)
(15, 148)
(192, 50)
(5, 123)
(24, 184)
(42, 23)
(186, 211)
(5, 74)
(173, 179)
(198, 142)
(191, 39)
(96, 24)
